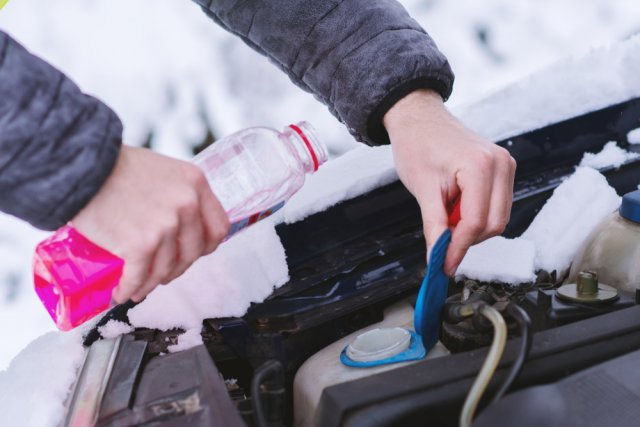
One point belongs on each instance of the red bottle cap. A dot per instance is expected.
(454, 213)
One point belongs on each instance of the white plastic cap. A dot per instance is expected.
(379, 344)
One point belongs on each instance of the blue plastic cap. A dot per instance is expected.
(630, 208)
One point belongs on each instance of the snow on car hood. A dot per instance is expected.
(577, 85)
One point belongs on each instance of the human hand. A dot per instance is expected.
(158, 214)
(439, 160)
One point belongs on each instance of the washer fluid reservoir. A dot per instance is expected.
(612, 250)
(384, 339)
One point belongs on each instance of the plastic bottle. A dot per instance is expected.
(612, 250)
(252, 172)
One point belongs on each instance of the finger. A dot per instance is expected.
(163, 263)
(190, 244)
(434, 217)
(134, 274)
(501, 197)
(474, 208)
(214, 220)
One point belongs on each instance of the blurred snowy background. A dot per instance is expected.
(176, 79)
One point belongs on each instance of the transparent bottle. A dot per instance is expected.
(252, 172)
(612, 250)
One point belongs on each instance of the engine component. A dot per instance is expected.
(434, 389)
(547, 311)
(605, 395)
(84, 406)
(587, 290)
(324, 368)
(378, 344)
(268, 384)
(526, 340)
(463, 332)
(613, 247)
(172, 390)
(488, 367)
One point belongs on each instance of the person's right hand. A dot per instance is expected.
(440, 161)
(158, 214)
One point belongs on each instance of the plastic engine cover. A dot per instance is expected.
(605, 395)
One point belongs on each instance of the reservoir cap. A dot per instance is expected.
(630, 208)
(379, 344)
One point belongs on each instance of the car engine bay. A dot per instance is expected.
(358, 266)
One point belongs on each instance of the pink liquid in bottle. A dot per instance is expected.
(252, 173)
(74, 277)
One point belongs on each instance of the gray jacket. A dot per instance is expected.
(58, 145)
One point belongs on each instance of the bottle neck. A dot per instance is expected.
(305, 141)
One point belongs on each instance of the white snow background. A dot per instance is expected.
(171, 72)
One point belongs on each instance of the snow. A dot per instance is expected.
(353, 174)
(500, 259)
(187, 340)
(610, 156)
(577, 85)
(633, 137)
(557, 232)
(36, 383)
(22, 316)
(243, 270)
(114, 328)
(168, 70)
(567, 218)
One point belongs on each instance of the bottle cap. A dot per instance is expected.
(630, 208)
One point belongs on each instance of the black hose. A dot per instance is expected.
(524, 326)
(119, 313)
(270, 370)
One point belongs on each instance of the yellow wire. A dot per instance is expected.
(488, 367)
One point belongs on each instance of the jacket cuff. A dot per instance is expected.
(78, 194)
(376, 132)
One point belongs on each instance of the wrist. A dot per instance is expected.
(421, 104)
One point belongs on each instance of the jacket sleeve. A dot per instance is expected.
(358, 57)
(57, 145)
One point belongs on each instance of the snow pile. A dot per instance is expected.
(611, 155)
(565, 221)
(552, 240)
(243, 270)
(605, 76)
(633, 137)
(187, 340)
(114, 328)
(37, 382)
(500, 259)
(353, 174)
(22, 316)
